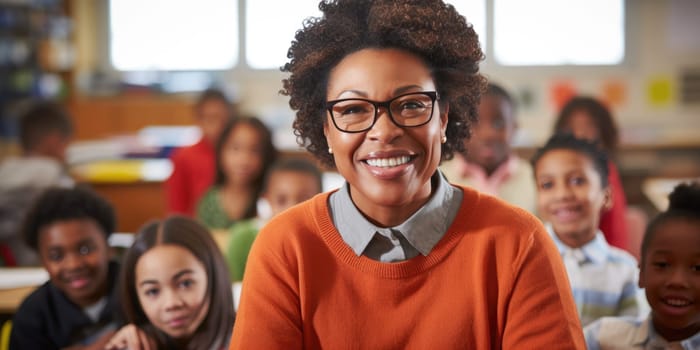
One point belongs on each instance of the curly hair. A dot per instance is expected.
(62, 204)
(600, 115)
(430, 29)
(684, 204)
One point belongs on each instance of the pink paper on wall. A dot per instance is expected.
(560, 92)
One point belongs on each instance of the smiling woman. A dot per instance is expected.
(385, 90)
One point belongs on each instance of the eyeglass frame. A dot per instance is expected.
(434, 97)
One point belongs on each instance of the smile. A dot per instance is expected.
(388, 162)
(677, 302)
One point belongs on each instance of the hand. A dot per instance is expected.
(132, 338)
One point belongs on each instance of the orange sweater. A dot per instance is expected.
(495, 280)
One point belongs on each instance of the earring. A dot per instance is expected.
(444, 138)
(330, 150)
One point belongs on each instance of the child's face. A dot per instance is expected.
(76, 256)
(489, 145)
(242, 155)
(212, 115)
(287, 188)
(671, 276)
(570, 195)
(581, 125)
(171, 285)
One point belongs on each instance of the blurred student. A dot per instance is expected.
(288, 182)
(572, 190)
(670, 275)
(489, 164)
(193, 166)
(76, 307)
(244, 152)
(175, 290)
(589, 119)
(45, 131)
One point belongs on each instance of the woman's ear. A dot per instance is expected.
(444, 112)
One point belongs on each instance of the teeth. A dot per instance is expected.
(677, 302)
(388, 162)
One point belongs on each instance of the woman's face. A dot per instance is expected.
(388, 167)
(242, 155)
(171, 285)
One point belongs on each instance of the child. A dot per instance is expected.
(69, 228)
(572, 189)
(243, 155)
(193, 166)
(45, 130)
(670, 275)
(175, 289)
(288, 182)
(489, 164)
(589, 119)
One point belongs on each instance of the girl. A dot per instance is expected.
(174, 289)
(669, 274)
(243, 154)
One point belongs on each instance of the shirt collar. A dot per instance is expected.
(595, 251)
(423, 230)
(646, 335)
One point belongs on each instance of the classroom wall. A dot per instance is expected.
(661, 47)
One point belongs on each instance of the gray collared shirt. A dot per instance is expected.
(417, 235)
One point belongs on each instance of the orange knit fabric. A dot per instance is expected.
(494, 281)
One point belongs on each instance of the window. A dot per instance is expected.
(555, 32)
(173, 35)
(267, 45)
(475, 12)
(270, 33)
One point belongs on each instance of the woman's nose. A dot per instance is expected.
(384, 128)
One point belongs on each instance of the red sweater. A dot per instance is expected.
(193, 173)
(494, 281)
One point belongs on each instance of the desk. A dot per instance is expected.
(10, 299)
(16, 283)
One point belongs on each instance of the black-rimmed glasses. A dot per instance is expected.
(359, 114)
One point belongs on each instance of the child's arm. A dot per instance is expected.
(98, 344)
(132, 338)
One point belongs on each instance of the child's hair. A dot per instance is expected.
(568, 141)
(269, 154)
(213, 332)
(494, 89)
(213, 94)
(41, 119)
(684, 203)
(297, 165)
(62, 204)
(599, 114)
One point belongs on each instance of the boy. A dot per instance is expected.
(288, 182)
(75, 308)
(194, 166)
(45, 130)
(489, 164)
(669, 273)
(572, 188)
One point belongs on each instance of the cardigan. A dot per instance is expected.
(495, 280)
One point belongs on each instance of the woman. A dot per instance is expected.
(398, 257)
